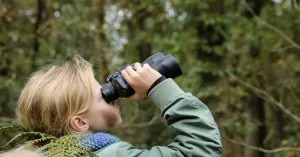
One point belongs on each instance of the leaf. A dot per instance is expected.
(23, 135)
(13, 128)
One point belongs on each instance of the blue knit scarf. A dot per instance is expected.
(97, 141)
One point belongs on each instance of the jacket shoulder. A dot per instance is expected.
(109, 151)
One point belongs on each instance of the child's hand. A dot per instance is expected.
(140, 80)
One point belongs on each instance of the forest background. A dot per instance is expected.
(240, 57)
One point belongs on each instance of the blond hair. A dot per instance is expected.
(54, 94)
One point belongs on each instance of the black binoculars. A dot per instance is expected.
(116, 85)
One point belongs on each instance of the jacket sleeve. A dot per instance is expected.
(197, 134)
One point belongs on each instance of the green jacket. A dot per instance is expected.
(197, 134)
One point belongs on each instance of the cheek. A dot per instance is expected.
(112, 116)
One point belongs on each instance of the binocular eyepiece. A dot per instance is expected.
(116, 85)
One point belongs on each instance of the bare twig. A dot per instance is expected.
(283, 49)
(267, 97)
(288, 39)
(269, 135)
(261, 149)
(294, 96)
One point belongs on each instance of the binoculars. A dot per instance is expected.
(116, 85)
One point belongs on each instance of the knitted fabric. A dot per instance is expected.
(97, 141)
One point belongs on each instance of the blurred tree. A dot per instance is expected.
(100, 42)
(239, 57)
(40, 17)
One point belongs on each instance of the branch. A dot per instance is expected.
(294, 96)
(283, 49)
(271, 26)
(276, 150)
(267, 97)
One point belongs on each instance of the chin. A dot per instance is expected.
(120, 121)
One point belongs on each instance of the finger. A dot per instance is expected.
(149, 69)
(147, 66)
(126, 76)
(138, 66)
(130, 71)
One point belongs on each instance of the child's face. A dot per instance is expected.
(102, 115)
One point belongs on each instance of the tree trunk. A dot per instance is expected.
(100, 42)
(136, 27)
(5, 67)
(217, 6)
(256, 6)
(279, 123)
(255, 106)
(256, 113)
(207, 32)
(144, 47)
(276, 116)
(39, 19)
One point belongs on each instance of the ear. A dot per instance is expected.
(78, 124)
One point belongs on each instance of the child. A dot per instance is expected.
(66, 99)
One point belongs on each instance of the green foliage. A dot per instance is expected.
(209, 39)
(65, 146)
(12, 129)
(51, 146)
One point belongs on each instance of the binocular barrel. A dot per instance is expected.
(118, 87)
